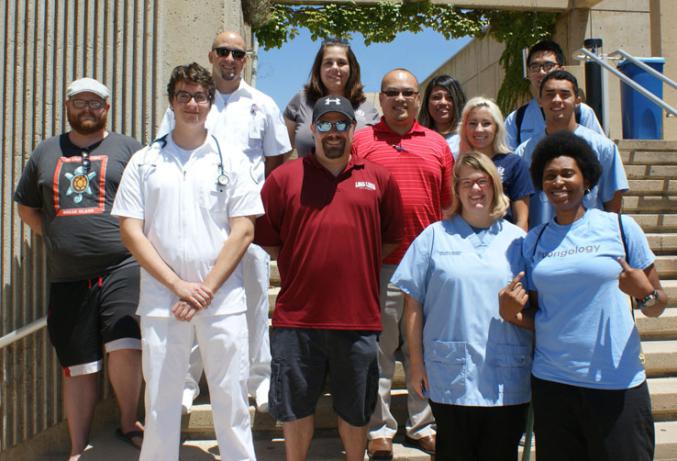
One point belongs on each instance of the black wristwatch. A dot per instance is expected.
(648, 301)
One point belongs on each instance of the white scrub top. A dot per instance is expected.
(613, 177)
(247, 119)
(472, 356)
(185, 215)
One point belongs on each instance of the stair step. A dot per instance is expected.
(661, 357)
(649, 203)
(655, 222)
(647, 156)
(666, 440)
(662, 243)
(663, 327)
(650, 171)
(652, 186)
(663, 397)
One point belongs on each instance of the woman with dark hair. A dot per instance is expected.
(589, 388)
(335, 72)
(443, 101)
(472, 365)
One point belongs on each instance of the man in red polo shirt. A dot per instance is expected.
(329, 220)
(421, 163)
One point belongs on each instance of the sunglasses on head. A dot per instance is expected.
(335, 41)
(223, 52)
(340, 126)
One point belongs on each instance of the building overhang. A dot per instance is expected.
(528, 5)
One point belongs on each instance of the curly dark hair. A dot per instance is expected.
(354, 90)
(547, 45)
(450, 84)
(565, 144)
(191, 73)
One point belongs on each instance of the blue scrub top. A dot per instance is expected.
(585, 333)
(454, 141)
(533, 123)
(613, 177)
(472, 357)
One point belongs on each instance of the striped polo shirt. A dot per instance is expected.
(421, 163)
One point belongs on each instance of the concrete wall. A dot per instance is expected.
(131, 45)
(629, 24)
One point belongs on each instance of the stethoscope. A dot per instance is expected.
(222, 179)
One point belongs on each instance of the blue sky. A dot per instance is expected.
(283, 71)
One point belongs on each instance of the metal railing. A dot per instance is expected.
(22, 332)
(587, 54)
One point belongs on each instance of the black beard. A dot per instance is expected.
(333, 151)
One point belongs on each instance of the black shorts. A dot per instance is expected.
(83, 315)
(580, 423)
(301, 360)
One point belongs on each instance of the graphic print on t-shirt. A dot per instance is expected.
(79, 190)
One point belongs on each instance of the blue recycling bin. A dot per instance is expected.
(642, 119)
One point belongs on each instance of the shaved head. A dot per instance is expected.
(229, 36)
(226, 69)
(397, 74)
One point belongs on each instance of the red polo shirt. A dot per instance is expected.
(330, 230)
(421, 163)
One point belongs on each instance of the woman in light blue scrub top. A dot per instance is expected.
(482, 129)
(473, 366)
(590, 396)
(443, 101)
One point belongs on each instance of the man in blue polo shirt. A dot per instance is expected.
(559, 97)
(529, 120)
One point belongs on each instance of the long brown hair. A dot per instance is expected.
(354, 89)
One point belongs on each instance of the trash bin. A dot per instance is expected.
(642, 119)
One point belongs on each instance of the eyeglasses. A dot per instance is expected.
(86, 163)
(467, 183)
(545, 66)
(395, 93)
(341, 126)
(94, 104)
(184, 97)
(223, 52)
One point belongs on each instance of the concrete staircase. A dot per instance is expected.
(651, 167)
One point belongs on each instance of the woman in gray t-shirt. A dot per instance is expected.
(335, 72)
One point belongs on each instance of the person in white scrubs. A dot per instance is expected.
(187, 215)
(472, 365)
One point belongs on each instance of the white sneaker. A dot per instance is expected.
(187, 401)
(262, 396)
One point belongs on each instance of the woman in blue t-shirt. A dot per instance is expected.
(472, 365)
(590, 395)
(482, 129)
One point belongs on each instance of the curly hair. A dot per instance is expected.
(191, 73)
(354, 89)
(565, 144)
(456, 93)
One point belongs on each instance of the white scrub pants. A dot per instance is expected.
(256, 275)
(383, 423)
(166, 346)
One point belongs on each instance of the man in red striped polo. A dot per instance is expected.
(420, 161)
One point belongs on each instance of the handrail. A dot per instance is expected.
(624, 78)
(22, 332)
(648, 69)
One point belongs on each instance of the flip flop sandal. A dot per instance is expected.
(129, 437)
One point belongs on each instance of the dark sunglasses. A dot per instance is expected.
(223, 52)
(335, 41)
(340, 126)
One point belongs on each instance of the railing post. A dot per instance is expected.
(596, 90)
